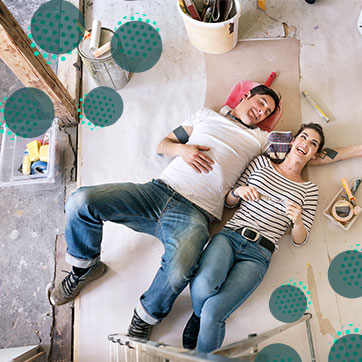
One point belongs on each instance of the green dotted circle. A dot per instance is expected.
(347, 348)
(287, 303)
(57, 26)
(103, 106)
(29, 112)
(278, 352)
(136, 46)
(345, 274)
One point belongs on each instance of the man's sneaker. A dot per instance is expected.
(191, 332)
(72, 284)
(139, 328)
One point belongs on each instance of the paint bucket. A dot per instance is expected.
(104, 70)
(213, 38)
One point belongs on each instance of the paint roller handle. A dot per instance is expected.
(348, 190)
(270, 79)
(356, 185)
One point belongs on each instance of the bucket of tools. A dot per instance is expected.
(211, 25)
(102, 67)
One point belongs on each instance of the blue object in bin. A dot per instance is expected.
(38, 167)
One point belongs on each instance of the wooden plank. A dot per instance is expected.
(61, 344)
(70, 71)
(71, 77)
(32, 71)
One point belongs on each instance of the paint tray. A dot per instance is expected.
(340, 195)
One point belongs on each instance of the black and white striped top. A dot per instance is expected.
(268, 214)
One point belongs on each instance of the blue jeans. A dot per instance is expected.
(153, 208)
(231, 268)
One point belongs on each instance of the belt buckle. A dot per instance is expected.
(257, 234)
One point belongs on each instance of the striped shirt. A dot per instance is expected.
(268, 214)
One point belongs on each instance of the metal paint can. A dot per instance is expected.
(104, 70)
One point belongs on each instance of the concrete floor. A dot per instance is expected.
(30, 223)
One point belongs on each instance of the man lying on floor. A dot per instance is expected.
(210, 151)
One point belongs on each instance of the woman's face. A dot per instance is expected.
(306, 144)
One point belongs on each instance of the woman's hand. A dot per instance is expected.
(247, 193)
(294, 212)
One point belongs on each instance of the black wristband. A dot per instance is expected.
(181, 134)
(233, 194)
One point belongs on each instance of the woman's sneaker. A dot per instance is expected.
(191, 332)
(72, 284)
(139, 328)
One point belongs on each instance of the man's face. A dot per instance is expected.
(252, 110)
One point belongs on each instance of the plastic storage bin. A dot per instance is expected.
(11, 159)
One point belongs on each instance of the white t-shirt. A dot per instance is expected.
(232, 147)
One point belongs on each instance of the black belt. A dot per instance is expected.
(252, 235)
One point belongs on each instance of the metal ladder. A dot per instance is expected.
(128, 349)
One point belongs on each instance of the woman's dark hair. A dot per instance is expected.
(317, 128)
(263, 89)
(311, 125)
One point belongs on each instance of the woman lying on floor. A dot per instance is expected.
(272, 197)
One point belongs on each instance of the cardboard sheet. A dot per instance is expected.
(107, 305)
(254, 60)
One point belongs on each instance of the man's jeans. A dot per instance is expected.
(153, 208)
(231, 268)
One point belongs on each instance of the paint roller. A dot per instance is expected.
(95, 35)
(95, 40)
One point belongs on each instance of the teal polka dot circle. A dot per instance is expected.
(29, 112)
(345, 274)
(287, 303)
(136, 46)
(278, 352)
(103, 106)
(347, 349)
(57, 27)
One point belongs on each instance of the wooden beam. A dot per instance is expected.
(32, 71)
(70, 71)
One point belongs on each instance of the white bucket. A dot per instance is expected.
(214, 38)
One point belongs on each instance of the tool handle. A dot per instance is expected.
(270, 79)
(347, 189)
(356, 185)
(261, 4)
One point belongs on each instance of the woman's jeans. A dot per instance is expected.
(153, 208)
(231, 268)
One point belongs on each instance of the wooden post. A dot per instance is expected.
(32, 71)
